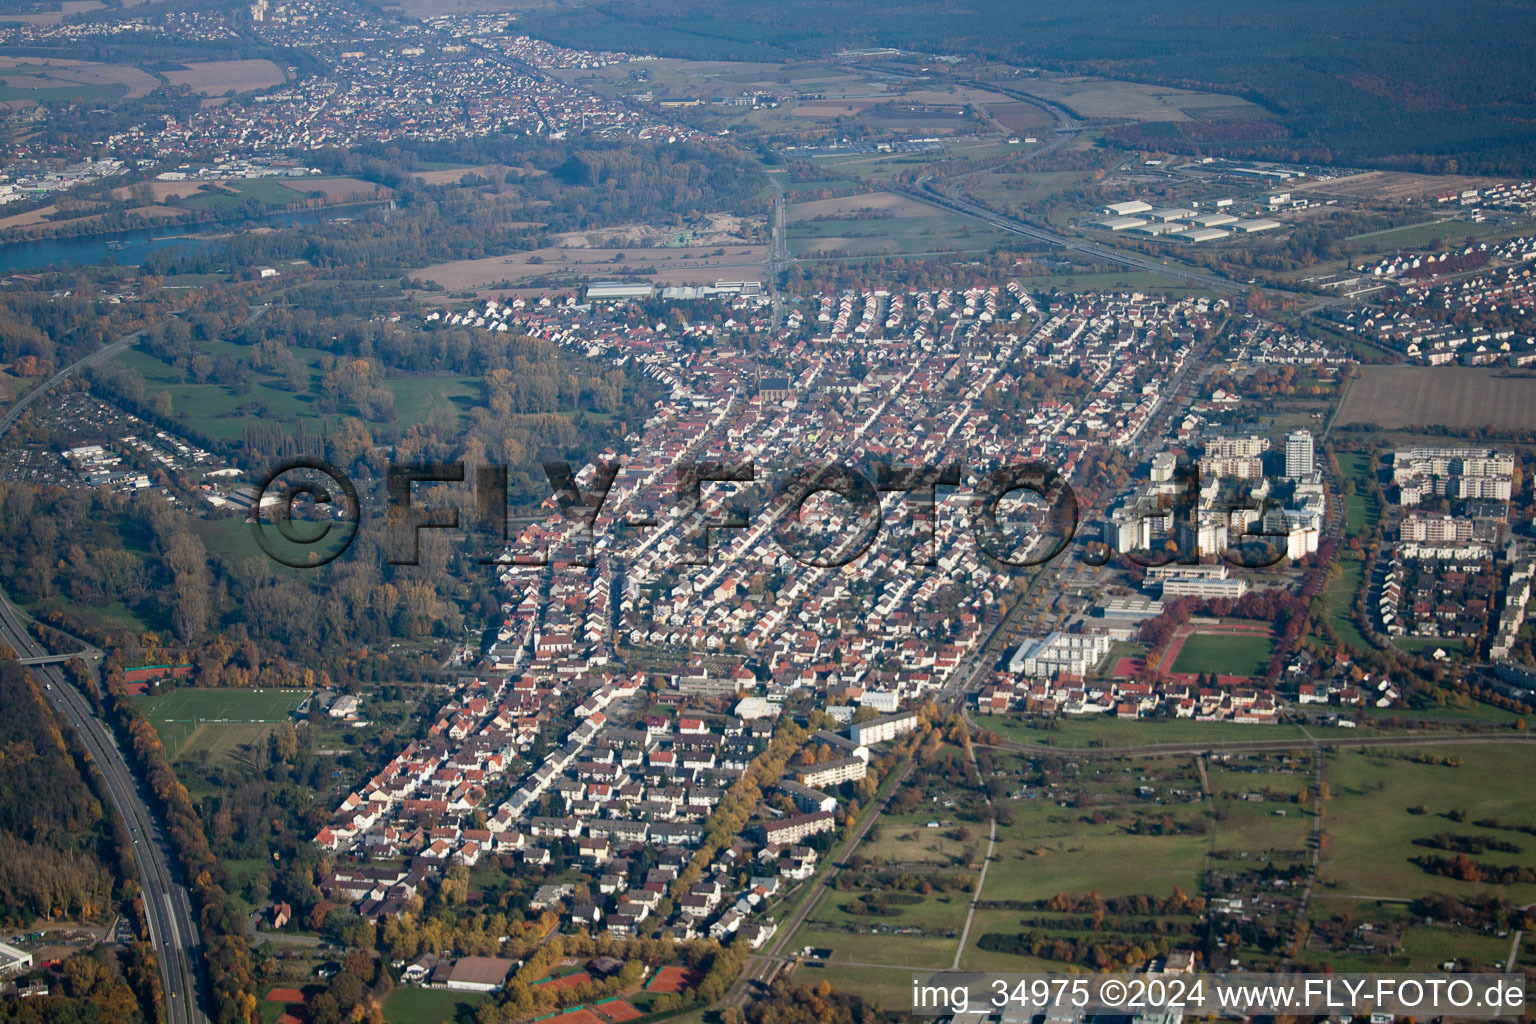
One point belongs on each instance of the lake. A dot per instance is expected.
(17, 257)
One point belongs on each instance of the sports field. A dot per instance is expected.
(1224, 654)
(430, 1006)
(188, 704)
(672, 978)
(211, 724)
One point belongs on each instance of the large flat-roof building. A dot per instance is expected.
(14, 961)
(1213, 220)
(1237, 447)
(478, 973)
(1127, 208)
(878, 730)
(1453, 471)
(1300, 453)
(1058, 654)
(599, 291)
(1204, 581)
(835, 772)
(797, 827)
(1201, 235)
(807, 798)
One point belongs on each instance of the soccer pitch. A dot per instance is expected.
(227, 705)
(217, 723)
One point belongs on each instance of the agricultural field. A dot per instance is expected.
(936, 232)
(1103, 98)
(1010, 190)
(876, 223)
(1018, 116)
(929, 112)
(869, 168)
(218, 77)
(879, 204)
(1456, 397)
(816, 186)
(338, 189)
(161, 190)
(269, 191)
(45, 79)
(1391, 186)
(835, 108)
(806, 97)
(582, 264)
(46, 17)
(453, 175)
(706, 79)
(845, 171)
(272, 191)
(1448, 231)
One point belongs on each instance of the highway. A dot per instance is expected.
(1099, 252)
(167, 902)
(105, 352)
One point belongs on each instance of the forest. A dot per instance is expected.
(1364, 83)
(229, 614)
(87, 988)
(532, 397)
(56, 841)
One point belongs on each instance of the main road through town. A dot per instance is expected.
(167, 901)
